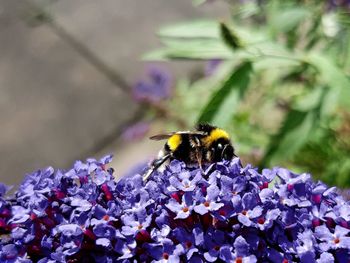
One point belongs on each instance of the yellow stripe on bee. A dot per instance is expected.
(215, 135)
(174, 142)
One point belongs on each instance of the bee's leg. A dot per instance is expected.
(155, 165)
(199, 158)
(198, 150)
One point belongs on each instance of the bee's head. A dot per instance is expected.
(222, 150)
(218, 144)
(228, 152)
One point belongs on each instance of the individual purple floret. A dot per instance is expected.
(208, 203)
(213, 242)
(211, 66)
(135, 131)
(183, 182)
(156, 89)
(228, 213)
(182, 209)
(339, 239)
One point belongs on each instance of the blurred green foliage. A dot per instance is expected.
(282, 88)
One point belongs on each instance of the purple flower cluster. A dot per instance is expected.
(228, 213)
(211, 66)
(157, 88)
(135, 131)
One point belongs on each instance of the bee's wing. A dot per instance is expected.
(165, 136)
(159, 137)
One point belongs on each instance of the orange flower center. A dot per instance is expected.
(188, 244)
(261, 220)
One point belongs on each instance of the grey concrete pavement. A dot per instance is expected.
(121, 31)
(56, 104)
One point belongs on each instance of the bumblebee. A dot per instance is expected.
(207, 144)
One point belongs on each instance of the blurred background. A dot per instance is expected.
(84, 78)
(67, 69)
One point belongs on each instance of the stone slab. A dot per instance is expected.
(120, 31)
(54, 106)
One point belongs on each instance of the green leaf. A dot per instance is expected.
(201, 40)
(300, 124)
(230, 37)
(293, 134)
(224, 101)
(204, 53)
(187, 97)
(210, 29)
(196, 43)
(343, 171)
(332, 76)
(192, 29)
(247, 9)
(309, 101)
(287, 19)
(343, 18)
(161, 54)
(202, 49)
